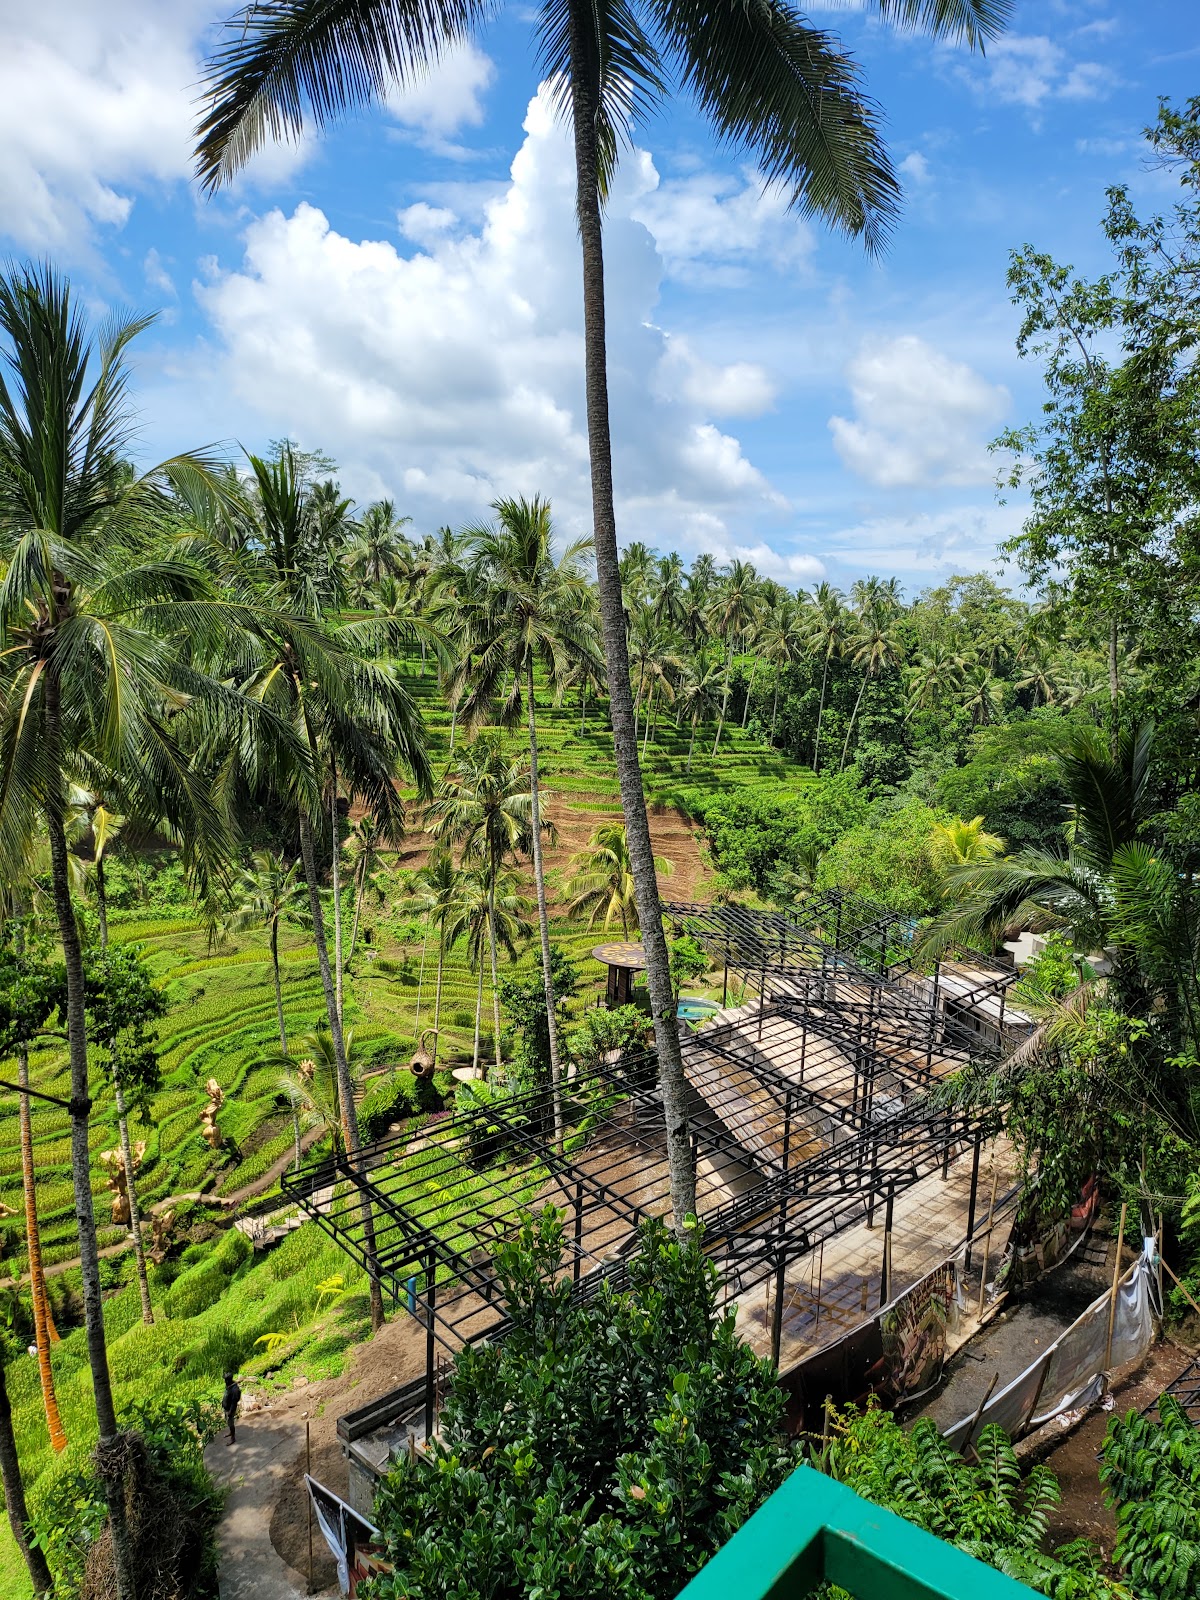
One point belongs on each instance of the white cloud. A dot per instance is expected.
(454, 373)
(447, 98)
(957, 539)
(156, 274)
(920, 417)
(97, 104)
(916, 167)
(1029, 69)
(706, 223)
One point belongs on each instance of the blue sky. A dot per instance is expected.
(405, 294)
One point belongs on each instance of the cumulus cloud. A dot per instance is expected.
(919, 416)
(453, 373)
(447, 98)
(710, 225)
(931, 543)
(1030, 69)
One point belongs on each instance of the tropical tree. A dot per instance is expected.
(772, 85)
(959, 844)
(697, 699)
(271, 894)
(93, 672)
(490, 910)
(528, 614)
(781, 643)
(437, 888)
(937, 672)
(484, 805)
(657, 664)
(331, 684)
(93, 826)
(365, 846)
(600, 879)
(877, 646)
(983, 695)
(378, 546)
(732, 610)
(668, 602)
(829, 625)
(314, 1081)
(14, 1488)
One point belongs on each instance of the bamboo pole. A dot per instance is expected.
(967, 1442)
(1112, 1300)
(987, 1238)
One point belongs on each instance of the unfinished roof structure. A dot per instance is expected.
(810, 1118)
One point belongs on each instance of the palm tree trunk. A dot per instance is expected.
(612, 616)
(421, 979)
(337, 894)
(850, 724)
(539, 878)
(37, 1277)
(101, 903)
(283, 1038)
(646, 740)
(774, 710)
(437, 994)
(724, 698)
(582, 708)
(478, 1016)
(14, 1496)
(359, 893)
(109, 1453)
(691, 746)
(749, 692)
(495, 971)
(135, 1218)
(820, 714)
(349, 1116)
(453, 723)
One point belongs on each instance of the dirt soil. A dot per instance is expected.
(394, 1356)
(1082, 1512)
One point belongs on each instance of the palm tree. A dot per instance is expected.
(271, 894)
(315, 1083)
(490, 910)
(92, 825)
(877, 647)
(937, 673)
(348, 716)
(14, 1491)
(983, 696)
(774, 86)
(365, 845)
(377, 550)
(960, 844)
(601, 879)
(781, 643)
(732, 610)
(95, 673)
(527, 613)
(658, 665)
(828, 630)
(438, 891)
(697, 700)
(668, 603)
(485, 806)
(638, 571)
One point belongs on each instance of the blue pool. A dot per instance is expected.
(696, 1010)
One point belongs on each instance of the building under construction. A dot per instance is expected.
(829, 1179)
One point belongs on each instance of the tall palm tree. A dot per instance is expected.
(94, 672)
(271, 894)
(93, 826)
(829, 627)
(527, 614)
(877, 647)
(315, 1083)
(731, 612)
(657, 665)
(484, 805)
(437, 888)
(490, 910)
(667, 605)
(601, 883)
(638, 571)
(330, 682)
(983, 695)
(773, 86)
(781, 644)
(698, 700)
(365, 846)
(378, 546)
(937, 672)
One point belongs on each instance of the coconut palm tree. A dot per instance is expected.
(600, 879)
(774, 86)
(983, 696)
(94, 670)
(314, 1081)
(829, 625)
(938, 672)
(490, 910)
(657, 665)
(484, 805)
(378, 546)
(960, 844)
(781, 644)
(437, 888)
(526, 612)
(877, 646)
(669, 581)
(93, 826)
(365, 847)
(272, 893)
(698, 700)
(330, 682)
(732, 611)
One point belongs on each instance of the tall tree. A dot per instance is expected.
(601, 879)
(378, 546)
(528, 617)
(14, 1490)
(331, 683)
(771, 85)
(829, 628)
(438, 888)
(490, 910)
(91, 618)
(731, 612)
(877, 646)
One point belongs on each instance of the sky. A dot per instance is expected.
(405, 293)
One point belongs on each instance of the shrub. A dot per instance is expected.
(387, 1101)
(1151, 1476)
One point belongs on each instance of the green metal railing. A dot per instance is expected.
(813, 1530)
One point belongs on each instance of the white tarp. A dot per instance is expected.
(1071, 1372)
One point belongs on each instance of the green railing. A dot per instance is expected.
(813, 1530)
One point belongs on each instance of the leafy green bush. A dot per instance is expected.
(985, 1508)
(605, 1448)
(203, 1285)
(387, 1101)
(887, 859)
(756, 833)
(1151, 1476)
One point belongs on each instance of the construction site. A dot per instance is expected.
(832, 1180)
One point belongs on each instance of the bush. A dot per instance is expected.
(756, 833)
(387, 1101)
(1151, 1476)
(203, 1285)
(887, 859)
(604, 1448)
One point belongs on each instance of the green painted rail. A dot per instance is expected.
(813, 1530)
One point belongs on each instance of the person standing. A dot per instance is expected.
(230, 1401)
